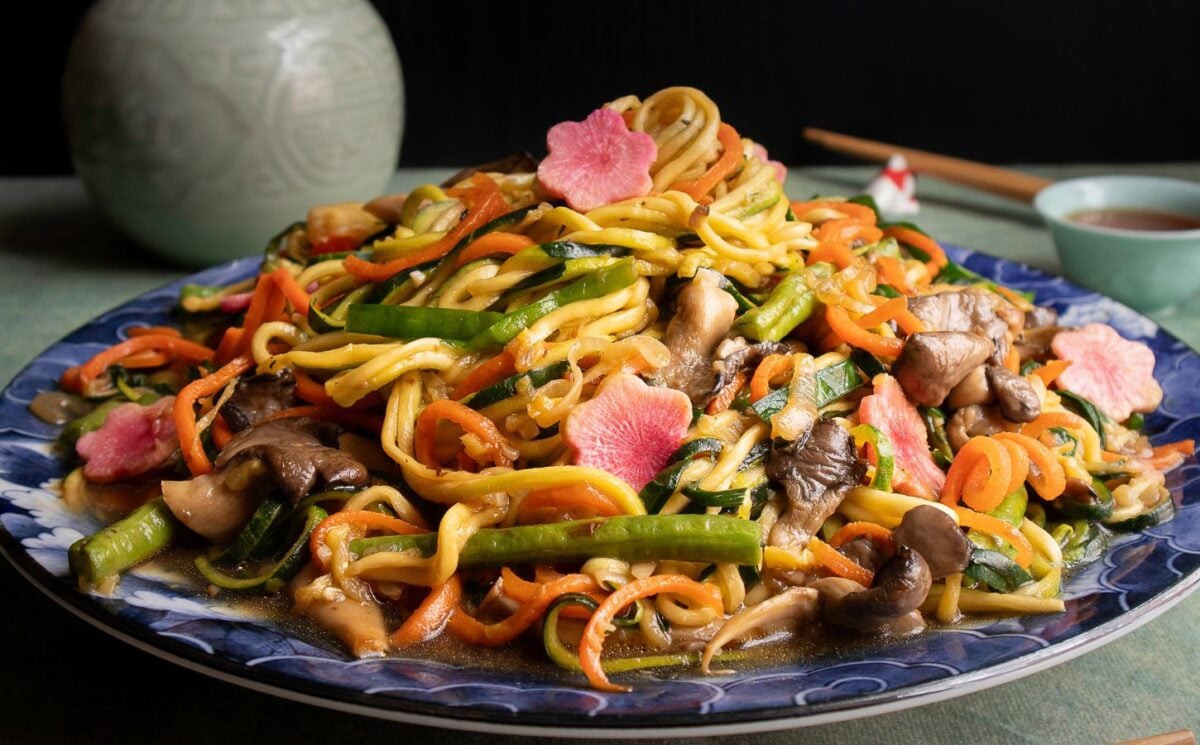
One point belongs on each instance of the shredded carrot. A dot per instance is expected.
(146, 359)
(891, 270)
(523, 590)
(488, 204)
(221, 434)
(1172, 454)
(469, 419)
(999, 528)
(854, 335)
(294, 293)
(569, 502)
(1050, 419)
(176, 347)
(498, 242)
(431, 616)
(1013, 297)
(731, 156)
(921, 242)
(227, 347)
(884, 312)
(366, 519)
(980, 475)
(1012, 360)
(1046, 474)
(185, 414)
(149, 330)
(485, 374)
(1050, 371)
(852, 210)
(880, 535)
(1019, 459)
(500, 633)
(839, 564)
(837, 253)
(723, 400)
(592, 643)
(909, 323)
(771, 366)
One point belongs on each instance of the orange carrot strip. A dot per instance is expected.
(1046, 474)
(862, 529)
(294, 293)
(221, 434)
(148, 330)
(885, 312)
(178, 348)
(909, 323)
(987, 483)
(469, 419)
(1050, 371)
(771, 366)
(1172, 454)
(570, 502)
(498, 242)
(1050, 419)
(857, 212)
(500, 633)
(891, 270)
(185, 415)
(431, 616)
(592, 643)
(854, 335)
(519, 588)
(997, 527)
(834, 252)
(727, 396)
(367, 519)
(489, 204)
(1019, 459)
(841, 565)
(731, 156)
(1012, 360)
(485, 374)
(227, 348)
(144, 359)
(922, 242)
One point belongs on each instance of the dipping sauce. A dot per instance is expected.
(1134, 218)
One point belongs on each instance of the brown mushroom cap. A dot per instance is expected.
(901, 586)
(936, 537)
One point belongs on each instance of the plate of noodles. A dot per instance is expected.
(625, 441)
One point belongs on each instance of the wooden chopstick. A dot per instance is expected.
(1014, 184)
(1178, 737)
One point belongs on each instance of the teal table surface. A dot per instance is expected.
(61, 680)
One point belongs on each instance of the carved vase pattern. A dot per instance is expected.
(201, 127)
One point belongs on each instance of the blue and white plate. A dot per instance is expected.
(1138, 578)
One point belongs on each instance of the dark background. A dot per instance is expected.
(1053, 82)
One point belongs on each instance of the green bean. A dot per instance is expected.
(789, 304)
(708, 538)
(143, 533)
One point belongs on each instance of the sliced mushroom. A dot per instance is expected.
(972, 390)
(866, 553)
(521, 162)
(934, 362)
(387, 208)
(1034, 343)
(936, 537)
(816, 472)
(358, 623)
(901, 586)
(972, 421)
(978, 311)
(210, 506)
(794, 604)
(734, 357)
(835, 588)
(296, 452)
(1039, 316)
(258, 397)
(704, 313)
(1016, 397)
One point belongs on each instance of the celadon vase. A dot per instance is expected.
(203, 127)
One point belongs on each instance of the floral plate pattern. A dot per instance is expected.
(1140, 576)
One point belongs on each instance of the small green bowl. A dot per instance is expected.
(1145, 269)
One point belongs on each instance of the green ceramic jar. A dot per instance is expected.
(203, 127)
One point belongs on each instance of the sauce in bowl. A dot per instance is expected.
(1134, 218)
